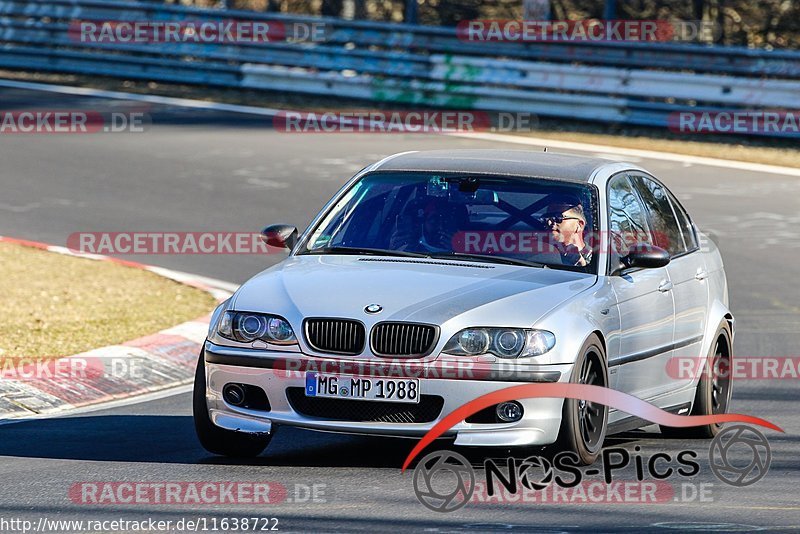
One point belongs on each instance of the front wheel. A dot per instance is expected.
(583, 423)
(214, 439)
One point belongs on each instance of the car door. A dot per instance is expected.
(644, 299)
(673, 231)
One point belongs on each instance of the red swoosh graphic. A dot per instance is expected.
(599, 394)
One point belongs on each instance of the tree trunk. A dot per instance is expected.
(332, 8)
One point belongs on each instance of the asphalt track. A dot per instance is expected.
(211, 171)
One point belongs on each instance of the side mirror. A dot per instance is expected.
(644, 256)
(280, 236)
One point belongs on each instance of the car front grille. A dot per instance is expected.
(403, 339)
(427, 410)
(337, 336)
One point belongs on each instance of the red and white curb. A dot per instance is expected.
(145, 365)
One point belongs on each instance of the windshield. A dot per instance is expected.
(534, 222)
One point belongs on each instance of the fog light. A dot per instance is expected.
(509, 412)
(233, 394)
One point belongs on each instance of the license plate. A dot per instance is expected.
(362, 388)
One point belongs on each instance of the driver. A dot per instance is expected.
(428, 227)
(566, 220)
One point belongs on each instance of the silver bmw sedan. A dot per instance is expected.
(432, 279)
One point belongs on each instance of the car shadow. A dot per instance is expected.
(171, 439)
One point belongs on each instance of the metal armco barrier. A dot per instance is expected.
(617, 82)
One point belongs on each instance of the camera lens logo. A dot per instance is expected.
(740, 455)
(444, 481)
(535, 473)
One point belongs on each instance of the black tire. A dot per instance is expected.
(583, 423)
(214, 439)
(713, 394)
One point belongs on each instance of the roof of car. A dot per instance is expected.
(527, 163)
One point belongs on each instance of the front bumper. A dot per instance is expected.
(275, 372)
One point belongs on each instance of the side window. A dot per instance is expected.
(687, 228)
(667, 232)
(627, 222)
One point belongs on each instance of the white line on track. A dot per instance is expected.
(152, 99)
(512, 139)
(180, 276)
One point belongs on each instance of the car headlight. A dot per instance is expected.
(502, 342)
(215, 317)
(246, 327)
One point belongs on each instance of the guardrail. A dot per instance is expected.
(609, 81)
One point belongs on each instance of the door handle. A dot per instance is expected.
(701, 275)
(665, 286)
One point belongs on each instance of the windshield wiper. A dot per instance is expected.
(365, 251)
(488, 258)
(439, 256)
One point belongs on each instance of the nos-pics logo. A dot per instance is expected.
(444, 481)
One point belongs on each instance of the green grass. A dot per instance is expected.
(54, 305)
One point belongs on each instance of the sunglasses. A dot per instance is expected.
(558, 219)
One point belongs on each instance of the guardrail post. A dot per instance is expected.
(610, 11)
(411, 12)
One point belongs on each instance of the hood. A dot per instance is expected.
(409, 289)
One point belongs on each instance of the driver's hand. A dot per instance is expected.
(443, 238)
(572, 256)
(405, 233)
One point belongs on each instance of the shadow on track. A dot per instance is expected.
(171, 439)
